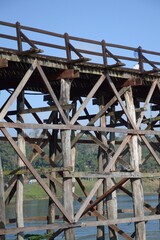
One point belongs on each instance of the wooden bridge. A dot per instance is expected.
(90, 88)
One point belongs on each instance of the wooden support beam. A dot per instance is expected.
(64, 74)
(36, 175)
(78, 127)
(20, 177)
(67, 160)
(133, 82)
(3, 63)
(41, 109)
(138, 198)
(94, 213)
(17, 90)
(82, 224)
(107, 193)
(2, 202)
(11, 193)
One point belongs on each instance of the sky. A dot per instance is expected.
(126, 22)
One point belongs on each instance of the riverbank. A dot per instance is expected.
(34, 190)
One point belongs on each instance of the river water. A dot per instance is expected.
(39, 208)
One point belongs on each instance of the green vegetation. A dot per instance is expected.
(36, 237)
(86, 160)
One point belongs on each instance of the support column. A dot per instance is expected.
(101, 162)
(2, 202)
(138, 197)
(67, 160)
(112, 199)
(20, 177)
(52, 154)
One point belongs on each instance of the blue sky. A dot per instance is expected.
(126, 22)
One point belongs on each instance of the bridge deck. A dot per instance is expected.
(14, 66)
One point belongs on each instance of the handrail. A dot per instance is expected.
(97, 52)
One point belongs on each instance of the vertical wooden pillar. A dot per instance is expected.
(73, 149)
(20, 178)
(112, 199)
(138, 198)
(52, 154)
(2, 202)
(67, 160)
(101, 162)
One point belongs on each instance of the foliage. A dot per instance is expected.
(86, 157)
(36, 237)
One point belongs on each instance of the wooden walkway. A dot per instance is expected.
(89, 88)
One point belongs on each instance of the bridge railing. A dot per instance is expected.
(74, 50)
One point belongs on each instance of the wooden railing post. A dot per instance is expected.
(68, 52)
(104, 55)
(19, 41)
(140, 57)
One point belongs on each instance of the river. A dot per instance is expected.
(39, 208)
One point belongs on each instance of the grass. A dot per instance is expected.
(35, 191)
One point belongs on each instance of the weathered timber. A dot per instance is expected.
(67, 160)
(101, 163)
(2, 202)
(20, 178)
(81, 224)
(135, 162)
(78, 127)
(36, 175)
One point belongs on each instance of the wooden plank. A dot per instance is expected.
(18, 90)
(3, 63)
(115, 175)
(36, 175)
(41, 109)
(78, 127)
(82, 224)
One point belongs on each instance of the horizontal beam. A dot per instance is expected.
(78, 127)
(41, 109)
(81, 224)
(114, 175)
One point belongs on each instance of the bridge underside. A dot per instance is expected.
(81, 104)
